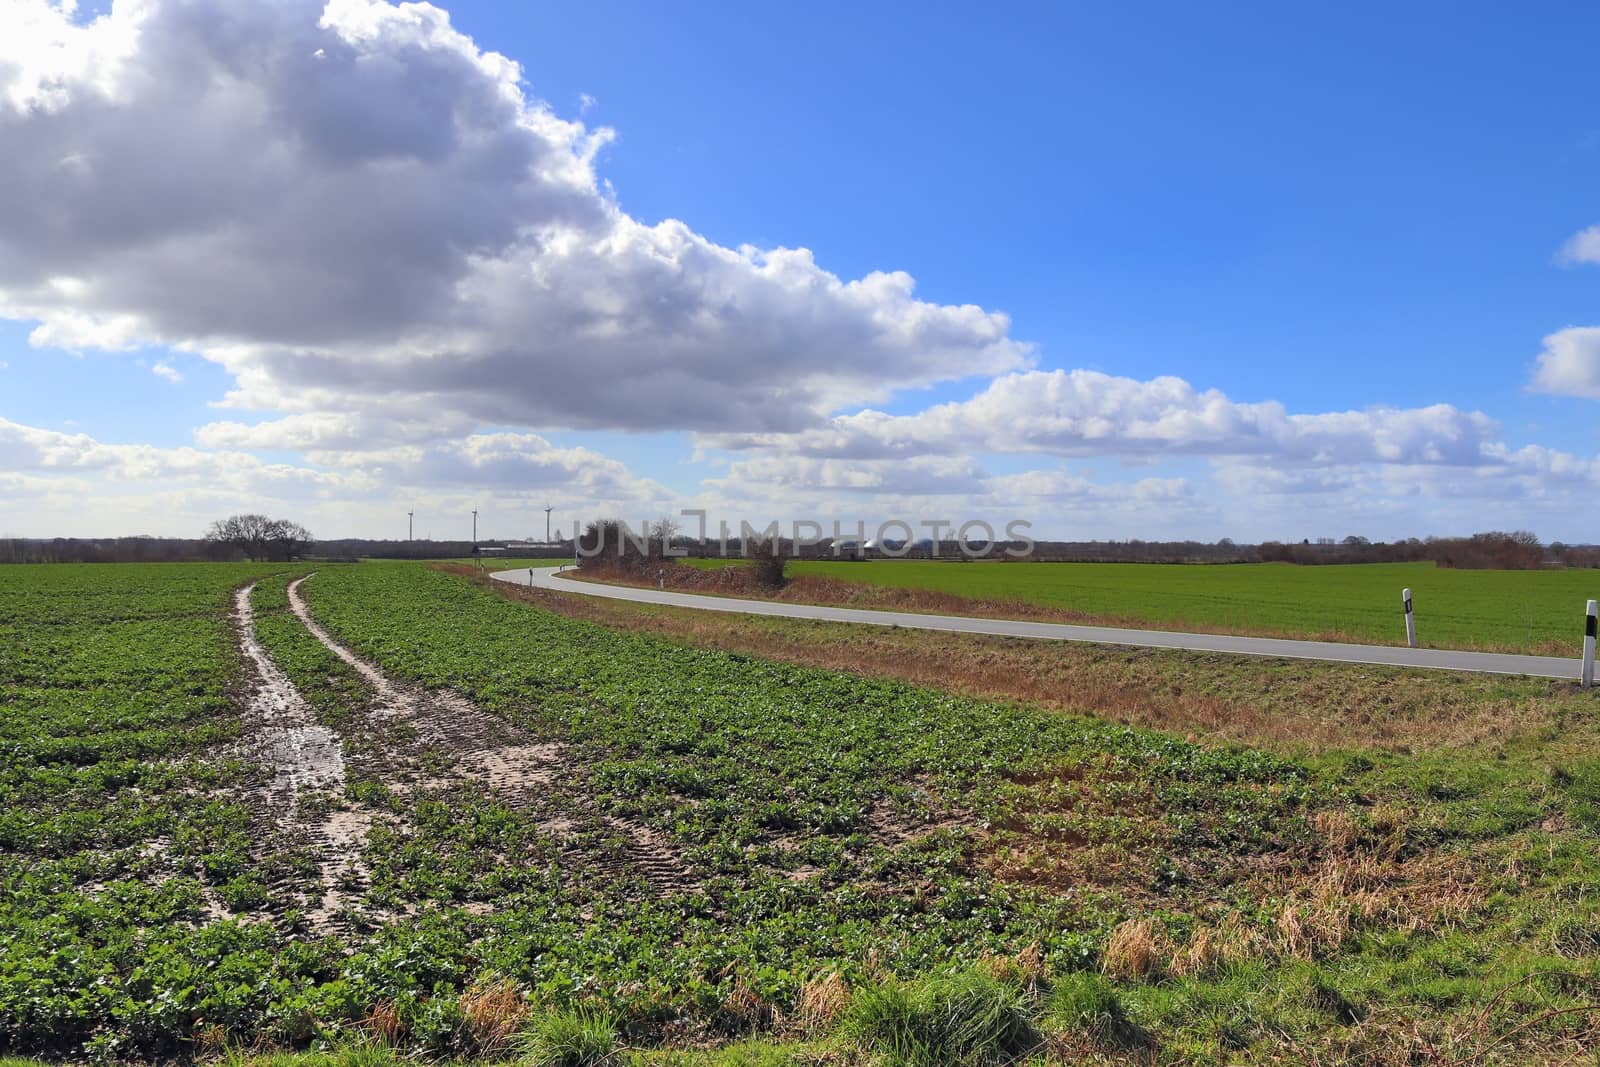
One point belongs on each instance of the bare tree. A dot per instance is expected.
(259, 537)
(289, 539)
(664, 532)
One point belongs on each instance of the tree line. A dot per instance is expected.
(258, 537)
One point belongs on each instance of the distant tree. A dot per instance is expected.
(1496, 550)
(664, 534)
(290, 540)
(259, 537)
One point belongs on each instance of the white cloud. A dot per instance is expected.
(504, 462)
(488, 468)
(776, 477)
(329, 431)
(1087, 413)
(353, 207)
(167, 372)
(1570, 363)
(1582, 247)
(29, 448)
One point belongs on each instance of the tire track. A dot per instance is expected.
(520, 770)
(302, 753)
(308, 769)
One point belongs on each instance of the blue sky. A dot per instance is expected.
(1348, 210)
(1161, 192)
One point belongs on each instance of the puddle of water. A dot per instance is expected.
(306, 757)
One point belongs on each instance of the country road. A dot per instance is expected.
(1327, 651)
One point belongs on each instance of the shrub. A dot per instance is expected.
(767, 563)
(612, 543)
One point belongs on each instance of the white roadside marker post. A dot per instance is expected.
(530, 577)
(661, 577)
(1411, 620)
(1589, 624)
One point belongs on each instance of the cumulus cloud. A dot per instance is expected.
(1570, 363)
(503, 463)
(506, 463)
(350, 205)
(30, 448)
(779, 476)
(1582, 247)
(1087, 413)
(167, 372)
(319, 432)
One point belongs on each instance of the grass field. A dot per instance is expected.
(1533, 611)
(563, 842)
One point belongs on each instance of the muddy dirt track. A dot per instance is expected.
(420, 744)
(308, 771)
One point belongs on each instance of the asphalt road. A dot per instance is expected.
(1327, 651)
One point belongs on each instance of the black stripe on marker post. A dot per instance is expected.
(1589, 626)
(1408, 605)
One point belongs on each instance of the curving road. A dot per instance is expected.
(1328, 651)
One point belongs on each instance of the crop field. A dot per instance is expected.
(387, 812)
(1519, 611)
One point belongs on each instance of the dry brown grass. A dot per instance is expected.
(1338, 828)
(746, 1008)
(1026, 970)
(383, 1024)
(212, 1040)
(1211, 948)
(1283, 706)
(493, 1010)
(821, 1003)
(1321, 908)
(1137, 948)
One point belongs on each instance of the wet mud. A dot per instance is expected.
(425, 741)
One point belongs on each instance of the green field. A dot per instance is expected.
(627, 849)
(1514, 610)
